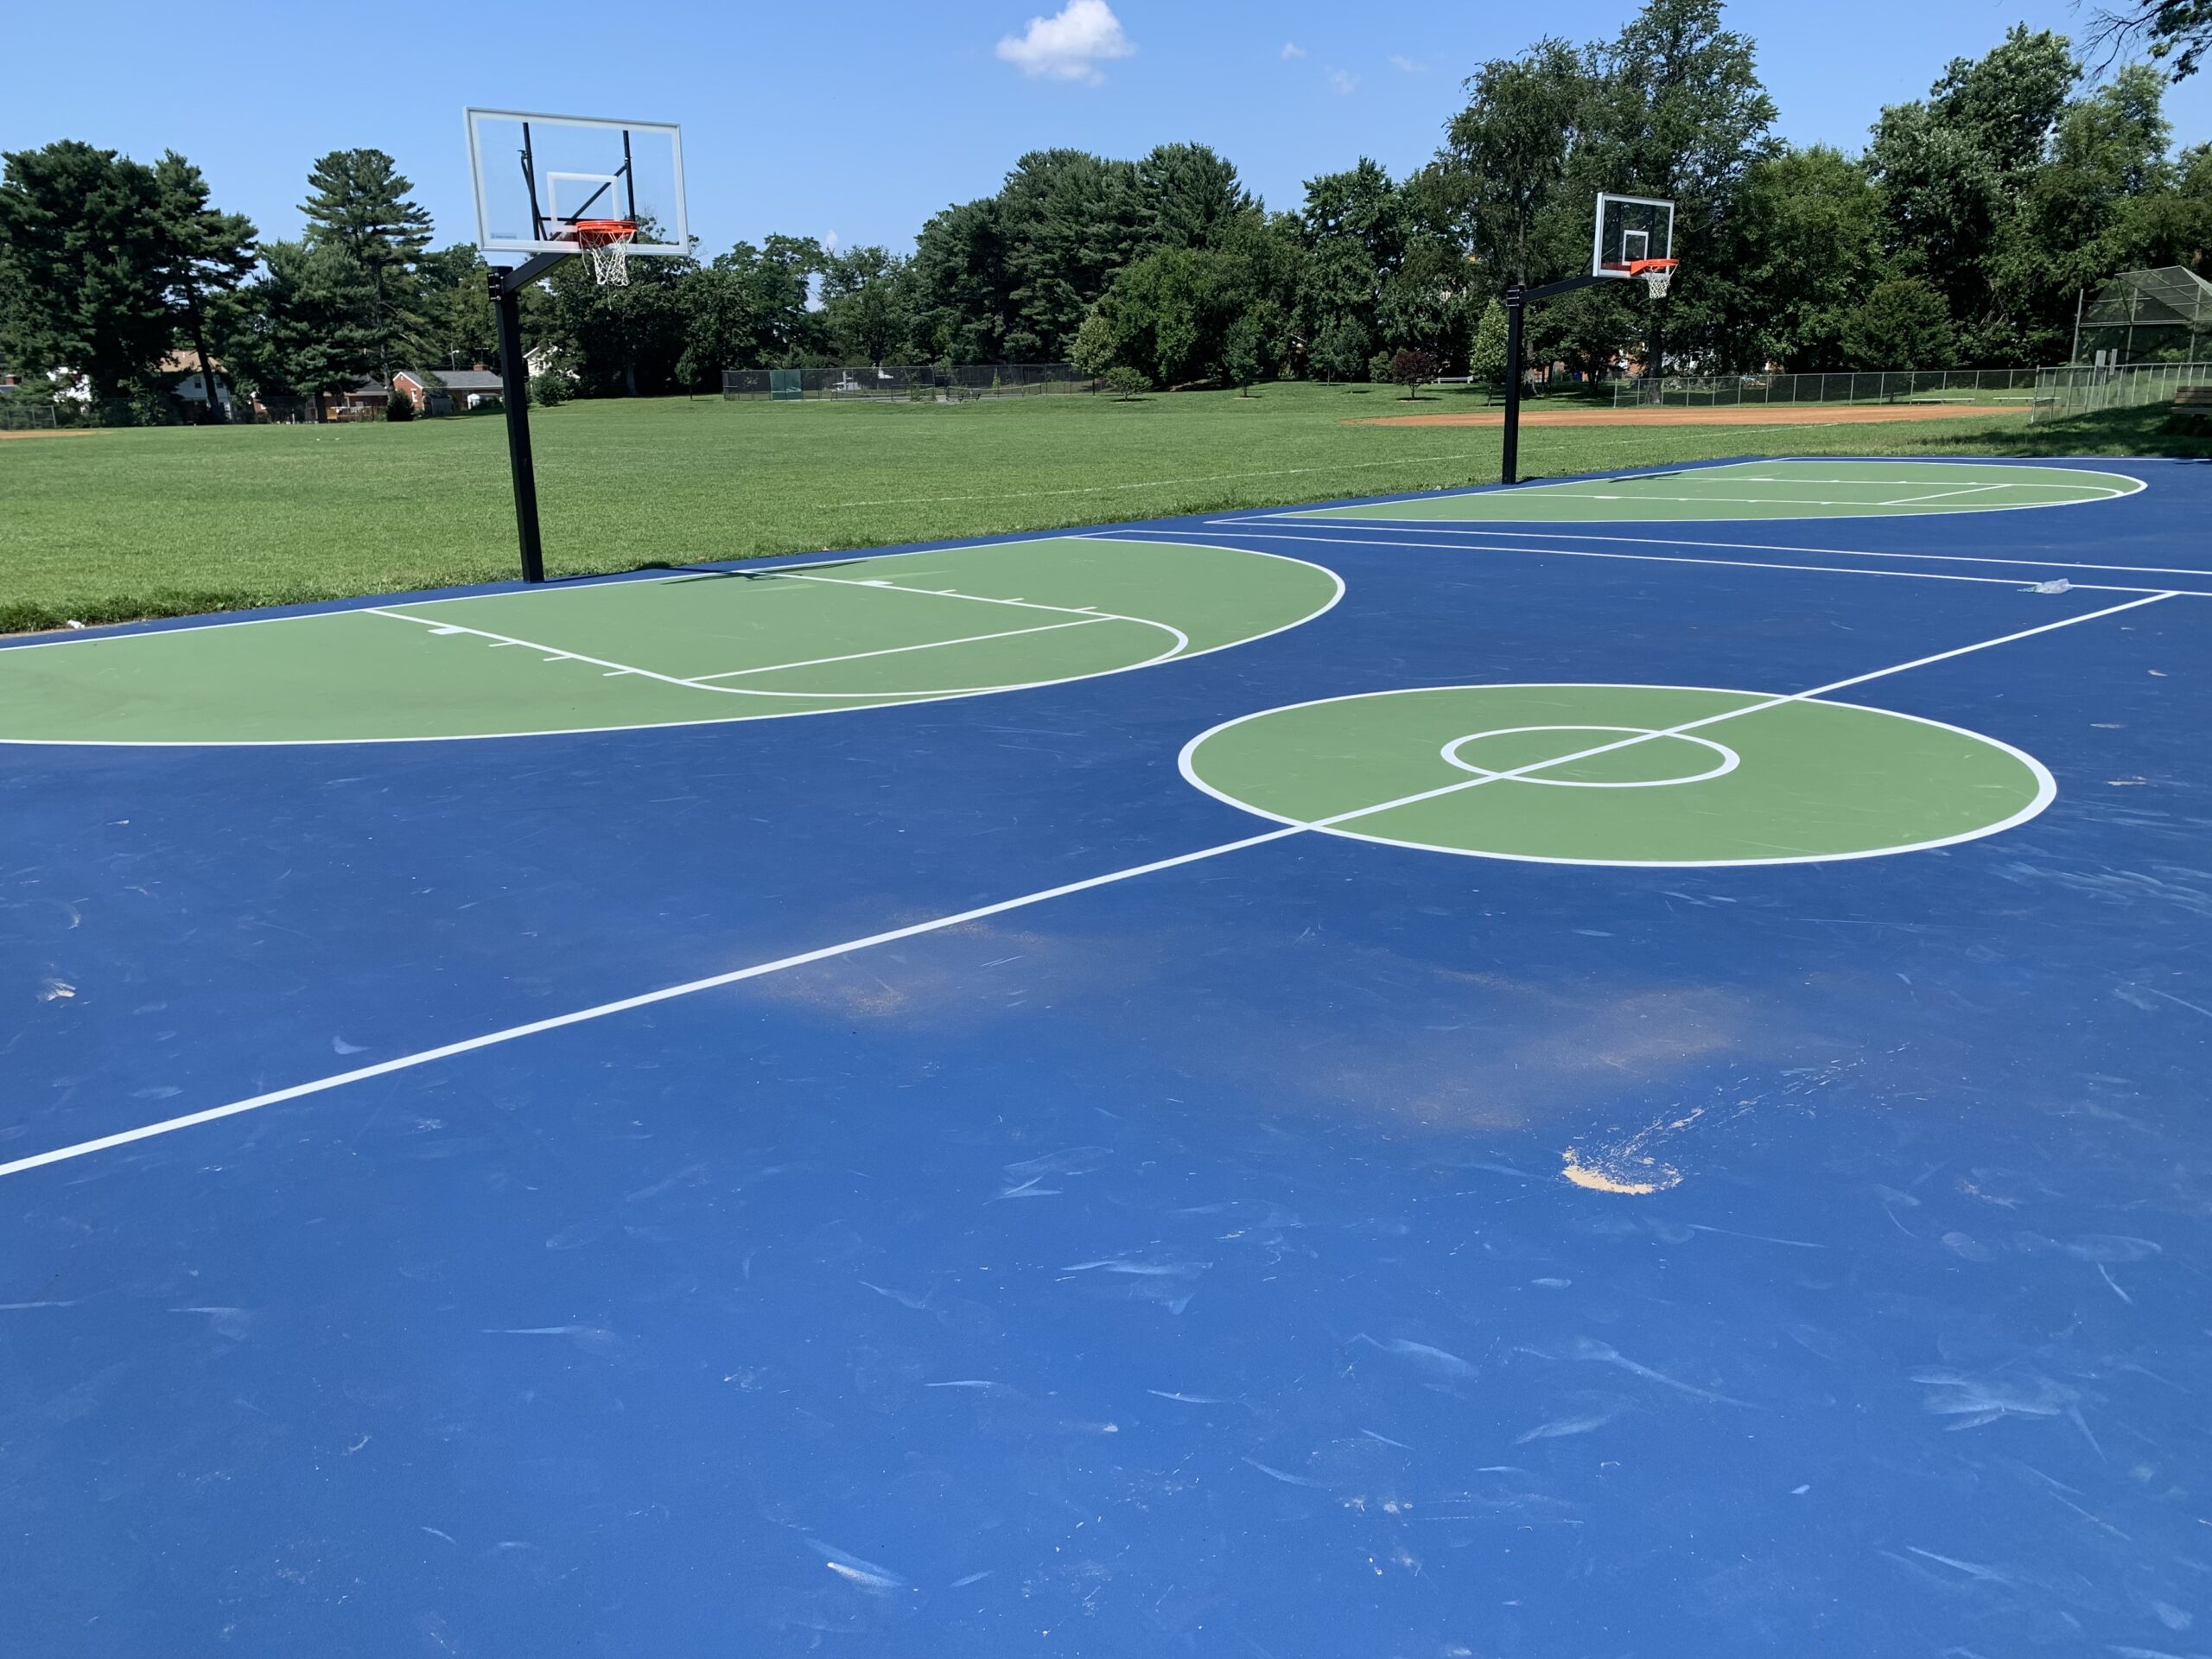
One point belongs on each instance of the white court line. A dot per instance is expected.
(886, 700)
(1181, 643)
(560, 655)
(1537, 532)
(669, 992)
(893, 650)
(976, 599)
(2129, 486)
(1771, 500)
(1938, 495)
(1737, 565)
(1683, 730)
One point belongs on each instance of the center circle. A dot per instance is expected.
(1644, 744)
(1776, 779)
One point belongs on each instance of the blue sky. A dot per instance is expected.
(858, 118)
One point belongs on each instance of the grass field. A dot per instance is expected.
(119, 524)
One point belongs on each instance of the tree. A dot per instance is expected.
(2179, 29)
(1514, 142)
(1069, 221)
(1188, 197)
(1806, 245)
(458, 326)
(1170, 312)
(1339, 350)
(866, 311)
(1243, 352)
(358, 201)
(1486, 361)
(1955, 170)
(624, 340)
(206, 256)
(305, 334)
(962, 285)
(747, 310)
(84, 266)
(1413, 370)
(1096, 345)
(1126, 383)
(1682, 115)
(1903, 324)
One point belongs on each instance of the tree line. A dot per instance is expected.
(1960, 235)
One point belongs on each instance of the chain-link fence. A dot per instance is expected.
(23, 415)
(911, 383)
(1888, 386)
(2077, 390)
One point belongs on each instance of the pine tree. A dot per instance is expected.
(359, 203)
(81, 285)
(206, 255)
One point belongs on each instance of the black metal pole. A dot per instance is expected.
(1509, 465)
(514, 374)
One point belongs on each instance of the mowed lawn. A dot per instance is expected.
(115, 525)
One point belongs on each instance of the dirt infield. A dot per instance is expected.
(52, 432)
(1753, 414)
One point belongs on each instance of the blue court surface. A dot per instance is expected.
(987, 1173)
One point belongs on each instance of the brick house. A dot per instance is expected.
(442, 391)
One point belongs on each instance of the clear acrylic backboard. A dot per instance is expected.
(1630, 230)
(538, 176)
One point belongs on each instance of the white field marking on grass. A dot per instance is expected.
(1739, 564)
(883, 699)
(893, 650)
(1148, 483)
(2046, 785)
(2132, 487)
(1537, 532)
(669, 992)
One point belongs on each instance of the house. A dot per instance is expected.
(362, 401)
(440, 392)
(179, 375)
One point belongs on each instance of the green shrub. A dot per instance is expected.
(551, 388)
(1126, 383)
(399, 406)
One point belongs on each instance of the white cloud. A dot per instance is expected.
(1071, 45)
(1292, 49)
(1406, 66)
(1341, 83)
(828, 241)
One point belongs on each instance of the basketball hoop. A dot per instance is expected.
(1656, 274)
(606, 243)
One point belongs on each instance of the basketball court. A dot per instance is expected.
(1397, 1082)
(1607, 1067)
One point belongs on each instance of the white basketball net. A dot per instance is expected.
(609, 253)
(1656, 280)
